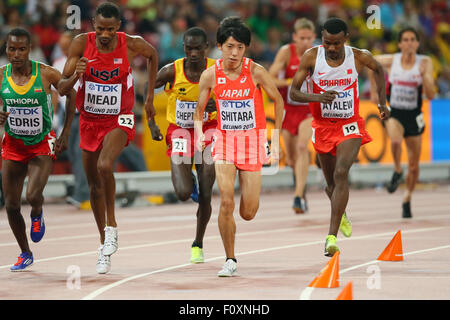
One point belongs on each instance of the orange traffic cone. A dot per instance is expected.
(393, 251)
(347, 292)
(329, 276)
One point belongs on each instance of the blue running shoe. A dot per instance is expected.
(37, 228)
(24, 261)
(194, 194)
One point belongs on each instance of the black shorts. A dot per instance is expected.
(411, 120)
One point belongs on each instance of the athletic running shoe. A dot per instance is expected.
(110, 245)
(24, 261)
(299, 205)
(228, 269)
(406, 206)
(346, 226)
(194, 194)
(197, 255)
(37, 228)
(395, 181)
(330, 245)
(103, 262)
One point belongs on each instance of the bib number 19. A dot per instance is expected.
(350, 128)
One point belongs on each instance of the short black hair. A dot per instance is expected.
(410, 29)
(335, 25)
(196, 32)
(233, 27)
(108, 10)
(20, 32)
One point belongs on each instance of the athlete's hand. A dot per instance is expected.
(154, 129)
(61, 143)
(210, 106)
(423, 66)
(328, 96)
(81, 65)
(384, 112)
(3, 116)
(200, 143)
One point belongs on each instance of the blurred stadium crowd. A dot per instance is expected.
(163, 22)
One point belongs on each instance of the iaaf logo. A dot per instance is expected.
(103, 87)
(236, 104)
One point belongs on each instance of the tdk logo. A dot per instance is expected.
(24, 111)
(188, 105)
(236, 104)
(103, 87)
(345, 94)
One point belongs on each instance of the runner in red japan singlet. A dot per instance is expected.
(336, 122)
(106, 96)
(241, 121)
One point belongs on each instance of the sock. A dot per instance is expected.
(231, 259)
(196, 244)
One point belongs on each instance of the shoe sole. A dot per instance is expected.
(331, 250)
(299, 211)
(22, 270)
(198, 261)
(227, 275)
(109, 254)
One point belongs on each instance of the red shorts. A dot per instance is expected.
(93, 131)
(327, 135)
(248, 150)
(181, 141)
(293, 116)
(15, 149)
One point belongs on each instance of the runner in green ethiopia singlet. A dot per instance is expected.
(30, 108)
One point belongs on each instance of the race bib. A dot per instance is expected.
(342, 106)
(102, 98)
(179, 145)
(420, 121)
(126, 120)
(350, 128)
(237, 114)
(185, 113)
(404, 96)
(25, 121)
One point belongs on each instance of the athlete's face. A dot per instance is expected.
(303, 39)
(232, 52)
(195, 48)
(408, 43)
(17, 50)
(106, 29)
(334, 44)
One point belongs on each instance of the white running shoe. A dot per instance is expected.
(103, 262)
(110, 245)
(228, 269)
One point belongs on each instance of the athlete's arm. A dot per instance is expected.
(53, 76)
(426, 71)
(165, 75)
(263, 79)
(278, 65)
(306, 66)
(138, 46)
(3, 114)
(386, 62)
(206, 84)
(364, 58)
(75, 65)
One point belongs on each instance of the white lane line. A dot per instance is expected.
(307, 292)
(103, 289)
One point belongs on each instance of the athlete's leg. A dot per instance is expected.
(290, 142)
(302, 163)
(226, 175)
(39, 169)
(414, 147)
(14, 174)
(346, 154)
(395, 132)
(113, 144)
(96, 190)
(206, 174)
(250, 183)
(181, 173)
